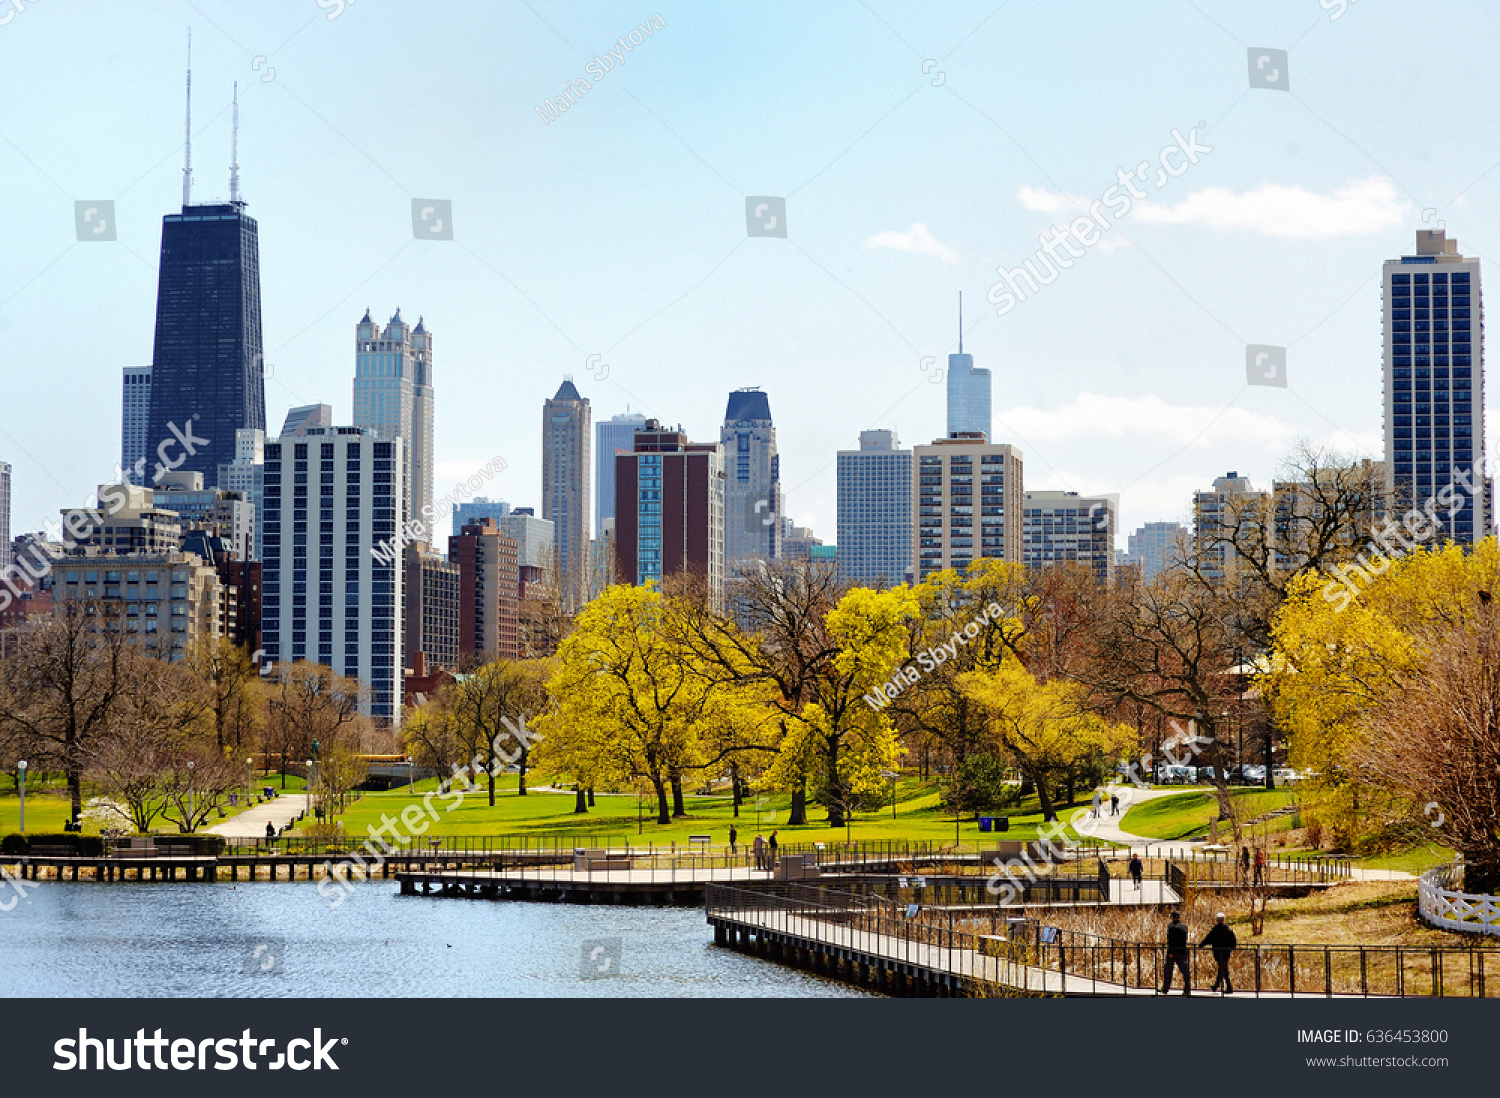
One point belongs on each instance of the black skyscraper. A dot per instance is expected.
(206, 369)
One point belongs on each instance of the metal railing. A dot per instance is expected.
(1026, 955)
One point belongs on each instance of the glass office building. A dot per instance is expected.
(206, 369)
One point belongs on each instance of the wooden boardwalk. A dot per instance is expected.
(906, 965)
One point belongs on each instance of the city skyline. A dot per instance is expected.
(1277, 184)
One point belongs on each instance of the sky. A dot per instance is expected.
(919, 148)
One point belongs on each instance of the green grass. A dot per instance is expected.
(919, 817)
(1187, 816)
(1413, 859)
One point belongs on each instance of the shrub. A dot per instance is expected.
(13, 844)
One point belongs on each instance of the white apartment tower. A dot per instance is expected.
(333, 576)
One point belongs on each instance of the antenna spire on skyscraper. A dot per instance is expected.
(234, 150)
(960, 322)
(187, 156)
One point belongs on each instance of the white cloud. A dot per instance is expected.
(1050, 202)
(915, 239)
(1361, 207)
(1095, 417)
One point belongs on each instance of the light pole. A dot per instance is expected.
(21, 766)
(249, 780)
(311, 772)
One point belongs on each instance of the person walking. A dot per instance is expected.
(1222, 941)
(1177, 955)
(1114, 804)
(760, 852)
(1094, 806)
(270, 831)
(1244, 864)
(1260, 866)
(771, 846)
(734, 835)
(1136, 870)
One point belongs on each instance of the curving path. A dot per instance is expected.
(1108, 828)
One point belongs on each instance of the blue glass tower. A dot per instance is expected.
(968, 389)
(1434, 383)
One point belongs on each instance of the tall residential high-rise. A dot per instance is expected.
(135, 411)
(1233, 504)
(488, 586)
(669, 509)
(752, 473)
(331, 498)
(207, 379)
(968, 389)
(874, 511)
(1064, 527)
(480, 507)
(612, 436)
(1434, 383)
(432, 608)
(947, 515)
(565, 487)
(393, 396)
(299, 419)
(1157, 546)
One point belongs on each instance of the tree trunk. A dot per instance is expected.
(1481, 870)
(521, 763)
(663, 810)
(734, 788)
(1044, 798)
(491, 770)
(580, 802)
(678, 807)
(798, 815)
(591, 796)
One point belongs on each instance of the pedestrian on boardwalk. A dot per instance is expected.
(771, 861)
(270, 830)
(1136, 870)
(1094, 807)
(734, 836)
(1244, 864)
(1260, 866)
(760, 851)
(1114, 804)
(1222, 940)
(1177, 955)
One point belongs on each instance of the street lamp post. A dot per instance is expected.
(249, 780)
(312, 771)
(21, 766)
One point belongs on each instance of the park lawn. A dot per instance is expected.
(617, 818)
(47, 809)
(1413, 859)
(1188, 816)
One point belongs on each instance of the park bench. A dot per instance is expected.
(701, 841)
(137, 846)
(53, 850)
(594, 860)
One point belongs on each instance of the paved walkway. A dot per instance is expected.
(1108, 828)
(251, 823)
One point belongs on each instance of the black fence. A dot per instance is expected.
(1016, 954)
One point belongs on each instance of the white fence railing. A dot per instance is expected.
(1442, 904)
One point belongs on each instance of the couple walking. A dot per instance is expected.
(1220, 939)
(765, 852)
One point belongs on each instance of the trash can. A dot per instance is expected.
(1002, 823)
(986, 823)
